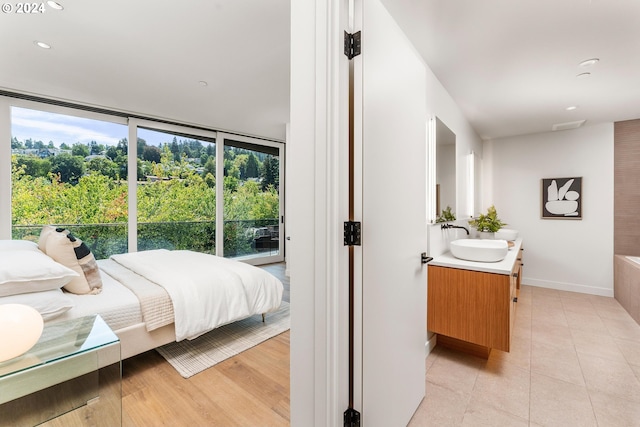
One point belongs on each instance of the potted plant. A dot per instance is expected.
(489, 223)
(446, 215)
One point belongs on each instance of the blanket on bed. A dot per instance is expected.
(207, 291)
(155, 302)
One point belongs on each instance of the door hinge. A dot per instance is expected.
(352, 44)
(351, 418)
(352, 231)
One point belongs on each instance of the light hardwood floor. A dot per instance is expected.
(249, 389)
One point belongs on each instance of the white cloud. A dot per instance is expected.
(59, 128)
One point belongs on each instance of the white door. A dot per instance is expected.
(390, 101)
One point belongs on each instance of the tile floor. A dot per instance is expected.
(575, 361)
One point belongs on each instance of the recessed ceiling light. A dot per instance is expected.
(583, 75)
(203, 83)
(42, 44)
(572, 107)
(589, 62)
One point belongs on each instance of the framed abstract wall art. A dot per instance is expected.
(562, 198)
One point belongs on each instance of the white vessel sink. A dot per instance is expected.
(506, 234)
(483, 250)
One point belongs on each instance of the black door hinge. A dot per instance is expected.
(351, 418)
(352, 233)
(352, 44)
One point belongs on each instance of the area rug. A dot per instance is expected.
(190, 357)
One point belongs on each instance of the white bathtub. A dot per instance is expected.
(635, 259)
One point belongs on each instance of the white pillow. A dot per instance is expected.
(18, 245)
(27, 271)
(50, 304)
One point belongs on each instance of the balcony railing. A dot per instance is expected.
(241, 237)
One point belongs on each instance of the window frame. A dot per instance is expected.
(133, 123)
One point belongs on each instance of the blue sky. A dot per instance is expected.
(45, 126)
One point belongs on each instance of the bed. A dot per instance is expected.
(148, 298)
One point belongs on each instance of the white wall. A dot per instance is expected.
(440, 104)
(573, 255)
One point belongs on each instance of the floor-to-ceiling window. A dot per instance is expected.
(252, 198)
(69, 170)
(72, 168)
(176, 193)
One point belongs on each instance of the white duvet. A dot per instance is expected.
(206, 291)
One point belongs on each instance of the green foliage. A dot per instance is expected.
(104, 166)
(253, 167)
(446, 215)
(34, 166)
(210, 166)
(489, 222)
(152, 154)
(68, 168)
(175, 211)
(80, 150)
(270, 173)
(190, 199)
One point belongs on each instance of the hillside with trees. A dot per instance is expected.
(86, 185)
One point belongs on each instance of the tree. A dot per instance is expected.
(270, 173)
(95, 148)
(140, 146)
(64, 146)
(103, 166)
(15, 144)
(69, 168)
(210, 166)
(111, 152)
(241, 163)
(34, 166)
(80, 150)
(151, 153)
(210, 180)
(175, 149)
(123, 145)
(253, 168)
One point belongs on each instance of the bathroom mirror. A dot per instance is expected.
(477, 185)
(442, 152)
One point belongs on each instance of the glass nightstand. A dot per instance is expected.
(72, 376)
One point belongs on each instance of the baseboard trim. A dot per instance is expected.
(569, 287)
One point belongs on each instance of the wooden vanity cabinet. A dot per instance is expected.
(518, 267)
(472, 307)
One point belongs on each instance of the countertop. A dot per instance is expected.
(501, 267)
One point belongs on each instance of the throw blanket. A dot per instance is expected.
(206, 291)
(155, 302)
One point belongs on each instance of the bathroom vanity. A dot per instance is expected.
(471, 305)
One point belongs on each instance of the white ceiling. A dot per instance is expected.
(510, 65)
(148, 57)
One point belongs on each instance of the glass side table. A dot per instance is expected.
(72, 376)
